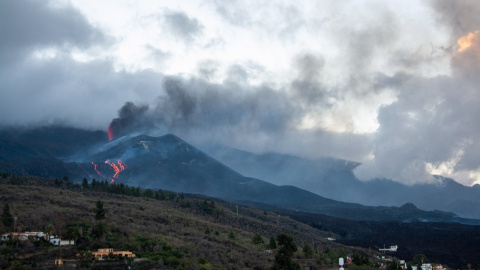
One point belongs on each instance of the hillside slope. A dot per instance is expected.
(168, 162)
(334, 179)
(154, 227)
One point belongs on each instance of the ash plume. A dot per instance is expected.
(130, 118)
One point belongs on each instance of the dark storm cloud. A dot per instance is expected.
(308, 84)
(460, 16)
(196, 103)
(28, 25)
(61, 89)
(366, 43)
(237, 73)
(435, 121)
(58, 89)
(182, 25)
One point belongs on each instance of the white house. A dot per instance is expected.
(390, 249)
(22, 236)
(425, 266)
(57, 241)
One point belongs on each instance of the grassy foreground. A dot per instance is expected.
(163, 229)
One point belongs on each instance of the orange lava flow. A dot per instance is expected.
(110, 133)
(117, 168)
(114, 167)
(98, 172)
(122, 165)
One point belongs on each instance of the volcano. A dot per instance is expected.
(170, 163)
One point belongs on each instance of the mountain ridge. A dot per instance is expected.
(334, 178)
(169, 162)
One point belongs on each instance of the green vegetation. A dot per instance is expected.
(99, 212)
(160, 227)
(7, 217)
(273, 243)
(257, 239)
(419, 259)
(360, 259)
(394, 265)
(307, 251)
(283, 258)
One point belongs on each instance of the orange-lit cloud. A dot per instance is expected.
(467, 41)
(467, 61)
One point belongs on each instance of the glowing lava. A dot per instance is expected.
(98, 172)
(466, 42)
(121, 166)
(117, 168)
(110, 133)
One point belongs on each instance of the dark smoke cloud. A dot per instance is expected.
(198, 105)
(130, 118)
(253, 118)
(308, 85)
(461, 17)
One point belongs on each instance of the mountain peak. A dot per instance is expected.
(409, 207)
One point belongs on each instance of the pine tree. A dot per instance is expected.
(85, 183)
(283, 258)
(273, 243)
(7, 217)
(357, 260)
(257, 239)
(307, 251)
(99, 212)
(394, 266)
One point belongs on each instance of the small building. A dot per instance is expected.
(425, 266)
(22, 236)
(389, 249)
(62, 262)
(57, 241)
(103, 253)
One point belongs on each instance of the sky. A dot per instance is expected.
(394, 85)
